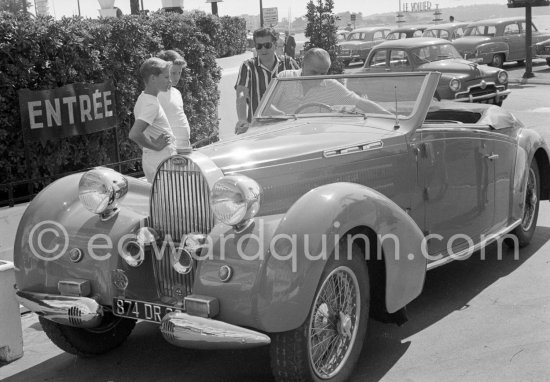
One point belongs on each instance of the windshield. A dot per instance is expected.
(362, 95)
(436, 52)
(357, 36)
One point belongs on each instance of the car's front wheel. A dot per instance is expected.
(525, 231)
(498, 60)
(112, 332)
(327, 345)
(548, 61)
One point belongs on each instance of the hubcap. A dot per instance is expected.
(531, 200)
(334, 322)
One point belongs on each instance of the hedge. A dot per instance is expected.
(43, 53)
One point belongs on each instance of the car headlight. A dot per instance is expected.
(235, 200)
(502, 76)
(454, 84)
(100, 189)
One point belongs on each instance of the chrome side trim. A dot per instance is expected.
(469, 251)
(182, 329)
(81, 312)
(344, 150)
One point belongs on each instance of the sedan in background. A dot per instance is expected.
(497, 41)
(543, 50)
(406, 32)
(359, 42)
(461, 80)
(449, 31)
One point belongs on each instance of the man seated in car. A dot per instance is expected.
(328, 92)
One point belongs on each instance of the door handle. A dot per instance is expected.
(491, 157)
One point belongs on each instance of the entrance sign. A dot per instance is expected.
(75, 109)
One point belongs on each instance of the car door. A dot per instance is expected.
(501, 153)
(515, 39)
(456, 182)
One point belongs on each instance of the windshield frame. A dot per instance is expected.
(262, 114)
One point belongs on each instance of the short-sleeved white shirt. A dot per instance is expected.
(148, 109)
(172, 103)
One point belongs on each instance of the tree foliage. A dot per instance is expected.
(15, 6)
(321, 30)
(43, 53)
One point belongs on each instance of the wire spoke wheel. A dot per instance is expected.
(531, 201)
(333, 323)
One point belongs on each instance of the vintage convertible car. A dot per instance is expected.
(461, 80)
(543, 50)
(359, 42)
(327, 211)
(497, 41)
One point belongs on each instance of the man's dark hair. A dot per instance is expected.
(266, 32)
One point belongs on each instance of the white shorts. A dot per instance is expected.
(152, 159)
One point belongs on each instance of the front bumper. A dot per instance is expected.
(185, 330)
(498, 96)
(82, 312)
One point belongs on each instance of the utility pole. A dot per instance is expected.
(78, 1)
(261, 14)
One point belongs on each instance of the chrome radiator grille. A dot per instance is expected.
(180, 204)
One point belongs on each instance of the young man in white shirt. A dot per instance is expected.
(151, 129)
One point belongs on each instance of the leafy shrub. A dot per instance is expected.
(43, 53)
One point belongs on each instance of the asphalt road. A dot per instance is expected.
(476, 320)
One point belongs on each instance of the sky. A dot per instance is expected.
(89, 8)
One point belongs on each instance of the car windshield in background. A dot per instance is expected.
(436, 52)
(356, 36)
(481, 30)
(343, 95)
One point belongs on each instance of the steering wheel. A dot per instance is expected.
(318, 104)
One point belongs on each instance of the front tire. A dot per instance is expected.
(327, 345)
(525, 231)
(548, 61)
(112, 332)
(498, 60)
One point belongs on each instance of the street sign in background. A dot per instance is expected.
(271, 16)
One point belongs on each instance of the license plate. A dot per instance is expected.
(141, 310)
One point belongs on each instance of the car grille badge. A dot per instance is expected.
(483, 84)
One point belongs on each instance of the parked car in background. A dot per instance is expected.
(542, 50)
(497, 41)
(461, 80)
(341, 35)
(406, 32)
(359, 42)
(293, 234)
(448, 31)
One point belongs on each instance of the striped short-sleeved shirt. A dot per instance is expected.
(256, 77)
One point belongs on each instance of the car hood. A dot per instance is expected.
(465, 43)
(292, 141)
(461, 67)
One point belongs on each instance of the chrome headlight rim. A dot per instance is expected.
(502, 77)
(100, 189)
(235, 200)
(454, 84)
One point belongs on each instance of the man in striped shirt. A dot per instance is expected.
(256, 73)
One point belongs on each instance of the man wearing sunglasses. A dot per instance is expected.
(256, 73)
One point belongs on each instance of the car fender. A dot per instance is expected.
(532, 146)
(489, 49)
(314, 225)
(58, 208)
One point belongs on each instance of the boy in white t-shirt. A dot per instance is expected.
(172, 101)
(151, 129)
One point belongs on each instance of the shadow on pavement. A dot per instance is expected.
(446, 289)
